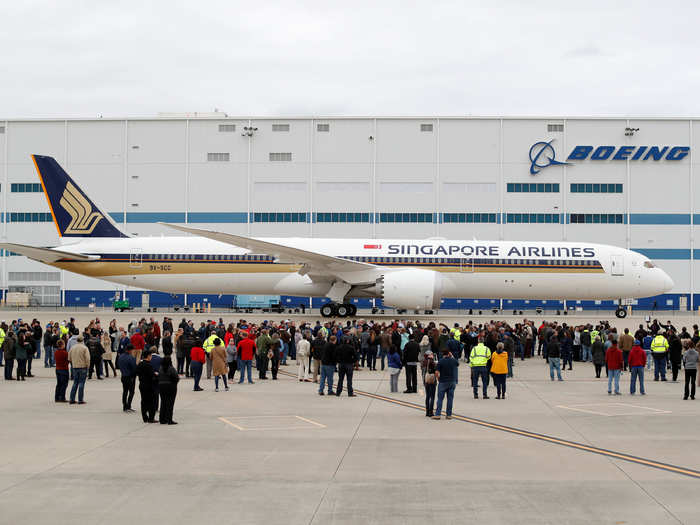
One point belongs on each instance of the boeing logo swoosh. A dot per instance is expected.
(542, 154)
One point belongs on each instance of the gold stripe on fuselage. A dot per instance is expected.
(112, 268)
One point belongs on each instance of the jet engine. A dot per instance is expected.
(411, 289)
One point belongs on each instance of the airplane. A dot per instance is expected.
(403, 273)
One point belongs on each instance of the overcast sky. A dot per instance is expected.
(81, 59)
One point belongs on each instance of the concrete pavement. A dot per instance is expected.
(276, 452)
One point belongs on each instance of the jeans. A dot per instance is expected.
(394, 380)
(429, 398)
(382, 357)
(554, 364)
(616, 375)
(246, 365)
(500, 381)
(660, 366)
(445, 387)
(586, 354)
(128, 388)
(412, 378)
(372, 358)
(566, 358)
(285, 353)
(636, 372)
(327, 372)
(344, 370)
(262, 366)
(48, 357)
(479, 372)
(690, 375)
(649, 359)
(79, 377)
(232, 367)
(9, 365)
(61, 385)
(196, 373)
(37, 349)
(216, 381)
(21, 368)
(180, 364)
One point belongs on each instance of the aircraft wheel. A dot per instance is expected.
(620, 313)
(344, 310)
(353, 310)
(328, 310)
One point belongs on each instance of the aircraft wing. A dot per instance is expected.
(316, 263)
(47, 255)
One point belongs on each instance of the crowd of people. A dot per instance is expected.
(160, 357)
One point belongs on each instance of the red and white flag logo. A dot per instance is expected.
(373, 246)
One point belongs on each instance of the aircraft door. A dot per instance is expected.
(466, 265)
(136, 258)
(617, 265)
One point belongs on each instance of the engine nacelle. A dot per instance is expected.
(411, 289)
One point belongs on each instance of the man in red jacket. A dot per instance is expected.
(246, 351)
(139, 343)
(198, 360)
(613, 358)
(61, 359)
(637, 362)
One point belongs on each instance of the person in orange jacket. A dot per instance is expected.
(499, 370)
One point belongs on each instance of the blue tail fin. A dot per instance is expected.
(73, 212)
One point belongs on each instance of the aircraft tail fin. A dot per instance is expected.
(74, 214)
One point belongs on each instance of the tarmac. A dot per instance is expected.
(277, 452)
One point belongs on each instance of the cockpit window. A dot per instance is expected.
(649, 264)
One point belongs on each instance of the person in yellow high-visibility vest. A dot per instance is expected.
(208, 346)
(478, 361)
(2, 340)
(659, 347)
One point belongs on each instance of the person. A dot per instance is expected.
(147, 379)
(22, 351)
(107, 355)
(328, 362)
(446, 374)
(303, 348)
(499, 370)
(198, 358)
(8, 350)
(598, 355)
(127, 366)
(167, 384)
(659, 347)
(626, 342)
(675, 355)
(347, 358)
(79, 358)
(429, 381)
(231, 358)
(95, 347)
(60, 358)
(478, 361)
(50, 340)
(138, 343)
(262, 343)
(410, 359)
(586, 345)
(246, 351)
(553, 356)
(614, 361)
(393, 362)
(218, 363)
(274, 353)
(317, 346)
(637, 360)
(690, 366)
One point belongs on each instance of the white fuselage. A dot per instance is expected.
(473, 269)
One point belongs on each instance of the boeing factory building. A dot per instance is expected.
(625, 182)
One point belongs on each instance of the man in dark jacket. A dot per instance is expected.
(347, 357)
(328, 362)
(96, 351)
(410, 362)
(147, 382)
(127, 365)
(553, 356)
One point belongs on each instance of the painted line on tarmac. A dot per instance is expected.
(544, 437)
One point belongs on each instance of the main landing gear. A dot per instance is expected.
(338, 310)
(621, 312)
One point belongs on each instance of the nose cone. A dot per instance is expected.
(668, 283)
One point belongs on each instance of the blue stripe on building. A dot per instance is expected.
(659, 218)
